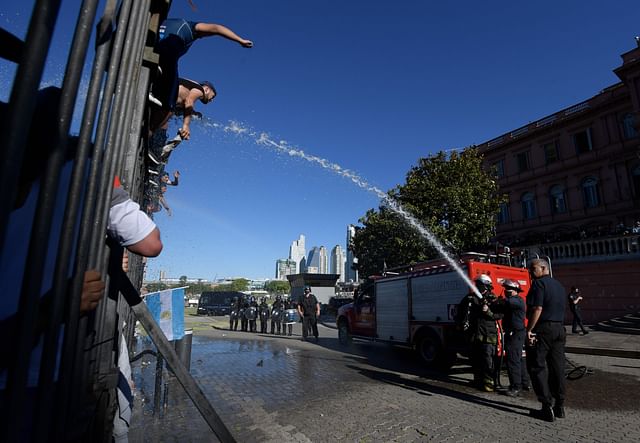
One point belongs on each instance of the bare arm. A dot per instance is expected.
(193, 96)
(536, 311)
(210, 29)
(150, 246)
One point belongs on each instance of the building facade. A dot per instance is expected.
(338, 262)
(284, 267)
(351, 274)
(572, 183)
(297, 252)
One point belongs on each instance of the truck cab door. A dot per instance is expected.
(365, 314)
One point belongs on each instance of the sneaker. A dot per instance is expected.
(512, 393)
(487, 388)
(558, 411)
(546, 414)
(154, 100)
(527, 388)
(153, 158)
(171, 145)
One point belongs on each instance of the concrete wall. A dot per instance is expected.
(609, 289)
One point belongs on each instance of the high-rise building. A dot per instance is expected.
(284, 267)
(350, 273)
(313, 261)
(297, 252)
(338, 261)
(324, 261)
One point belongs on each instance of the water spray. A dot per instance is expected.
(282, 146)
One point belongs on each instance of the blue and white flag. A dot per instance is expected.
(167, 309)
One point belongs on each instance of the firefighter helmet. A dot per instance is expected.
(484, 279)
(512, 285)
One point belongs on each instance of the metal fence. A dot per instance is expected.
(60, 369)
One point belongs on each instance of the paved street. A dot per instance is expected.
(268, 388)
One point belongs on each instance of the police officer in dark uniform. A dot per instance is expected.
(244, 321)
(276, 314)
(252, 314)
(546, 338)
(234, 314)
(309, 310)
(482, 332)
(514, 330)
(264, 315)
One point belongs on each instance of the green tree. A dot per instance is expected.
(183, 280)
(449, 194)
(239, 284)
(277, 287)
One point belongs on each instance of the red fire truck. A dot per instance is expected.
(417, 306)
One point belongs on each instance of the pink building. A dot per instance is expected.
(573, 186)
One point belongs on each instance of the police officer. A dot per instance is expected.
(309, 310)
(574, 305)
(276, 314)
(287, 323)
(244, 321)
(513, 325)
(482, 332)
(252, 314)
(546, 337)
(234, 314)
(264, 315)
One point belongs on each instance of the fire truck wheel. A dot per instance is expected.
(431, 353)
(343, 334)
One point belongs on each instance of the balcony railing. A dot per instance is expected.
(590, 250)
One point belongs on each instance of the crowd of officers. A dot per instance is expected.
(283, 314)
(541, 338)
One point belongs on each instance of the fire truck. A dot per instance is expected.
(417, 306)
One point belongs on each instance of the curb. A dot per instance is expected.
(621, 353)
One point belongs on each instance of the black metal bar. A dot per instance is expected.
(73, 346)
(50, 345)
(22, 104)
(11, 47)
(166, 349)
(157, 390)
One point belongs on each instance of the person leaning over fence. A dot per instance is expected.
(546, 338)
(175, 37)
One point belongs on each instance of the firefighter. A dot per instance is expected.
(514, 330)
(264, 315)
(479, 324)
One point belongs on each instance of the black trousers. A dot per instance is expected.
(273, 326)
(546, 363)
(482, 355)
(516, 366)
(577, 320)
(309, 322)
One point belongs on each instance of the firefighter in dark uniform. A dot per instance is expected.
(514, 331)
(276, 314)
(479, 325)
(546, 338)
(264, 315)
(309, 310)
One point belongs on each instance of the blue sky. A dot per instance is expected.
(369, 85)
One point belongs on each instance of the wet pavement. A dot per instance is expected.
(274, 388)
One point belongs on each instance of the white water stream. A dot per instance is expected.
(263, 139)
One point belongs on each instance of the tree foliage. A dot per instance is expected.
(277, 287)
(449, 194)
(240, 284)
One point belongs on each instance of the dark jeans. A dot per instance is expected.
(273, 326)
(517, 370)
(546, 363)
(309, 322)
(577, 320)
